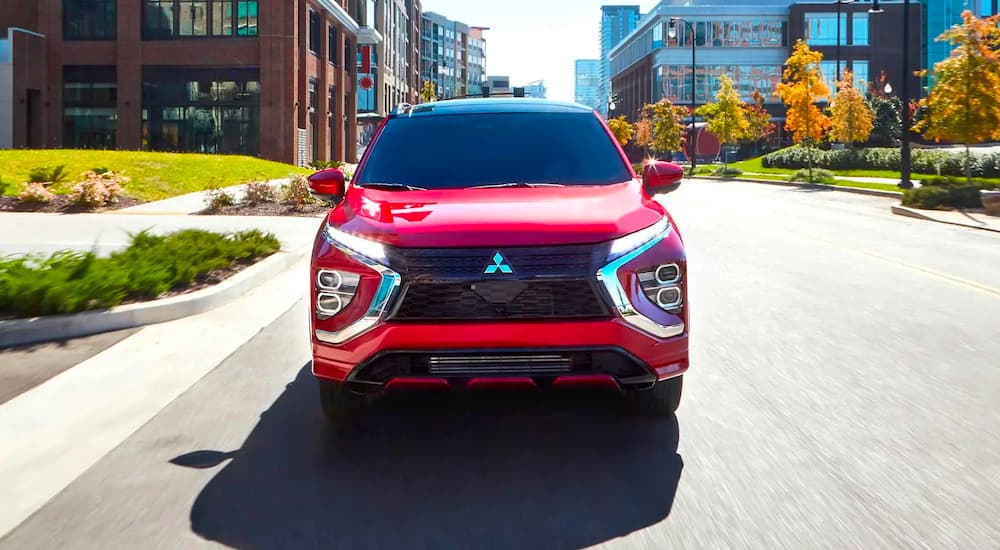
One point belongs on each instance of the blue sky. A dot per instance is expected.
(534, 39)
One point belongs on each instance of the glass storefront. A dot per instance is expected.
(89, 20)
(674, 81)
(90, 96)
(203, 111)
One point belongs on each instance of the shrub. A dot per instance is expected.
(68, 282)
(97, 189)
(35, 193)
(3, 187)
(47, 174)
(704, 170)
(819, 175)
(948, 181)
(218, 198)
(926, 197)
(297, 192)
(100, 169)
(258, 192)
(727, 172)
(923, 161)
(965, 197)
(324, 164)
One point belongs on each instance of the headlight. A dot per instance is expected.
(662, 285)
(369, 249)
(334, 291)
(632, 241)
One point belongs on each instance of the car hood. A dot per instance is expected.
(518, 216)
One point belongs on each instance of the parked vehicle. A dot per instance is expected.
(498, 242)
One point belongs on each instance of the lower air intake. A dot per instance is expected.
(485, 365)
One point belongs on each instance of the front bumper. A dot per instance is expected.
(651, 338)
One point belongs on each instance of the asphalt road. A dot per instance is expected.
(843, 394)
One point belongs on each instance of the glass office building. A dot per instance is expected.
(586, 82)
(941, 15)
(617, 22)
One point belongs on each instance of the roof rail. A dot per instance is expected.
(515, 93)
(402, 109)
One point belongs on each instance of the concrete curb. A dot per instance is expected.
(914, 213)
(40, 329)
(856, 190)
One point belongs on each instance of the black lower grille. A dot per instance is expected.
(538, 363)
(500, 300)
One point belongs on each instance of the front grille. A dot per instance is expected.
(485, 365)
(465, 264)
(541, 364)
(500, 300)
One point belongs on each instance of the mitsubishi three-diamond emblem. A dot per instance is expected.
(499, 264)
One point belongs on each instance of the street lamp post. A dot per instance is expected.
(672, 33)
(904, 96)
(839, 3)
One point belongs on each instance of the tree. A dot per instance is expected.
(667, 120)
(759, 125)
(429, 93)
(644, 133)
(622, 130)
(963, 106)
(725, 117)
(851, 115)
(801, 87)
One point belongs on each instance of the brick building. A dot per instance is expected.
(265, 78)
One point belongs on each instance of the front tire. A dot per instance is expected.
(660, 400)
(340, 405)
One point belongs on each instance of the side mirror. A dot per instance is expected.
(661, 177)
(327, 185)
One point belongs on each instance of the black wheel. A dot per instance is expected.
(662, 399)
(340, 406)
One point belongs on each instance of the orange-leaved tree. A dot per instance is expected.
(801, 87)
(852, 118)
(964, 104)
(622, 130)
(428, 94)
(644, 133)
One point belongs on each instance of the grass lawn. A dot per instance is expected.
(838, 183)
(153, 175)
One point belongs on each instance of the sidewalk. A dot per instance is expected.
(189, 203)
(976, 220)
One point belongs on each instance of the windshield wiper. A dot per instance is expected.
(391, 186)
(516, 184)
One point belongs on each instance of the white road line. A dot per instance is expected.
(56, 431)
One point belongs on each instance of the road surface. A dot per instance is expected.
(843, 394)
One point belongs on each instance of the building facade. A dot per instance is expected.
(617, 22)
(586, 82)
(941, 15)
(272, 79)
(453, 56)
(388, 73)
(871, 44)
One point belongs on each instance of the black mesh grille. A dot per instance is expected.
(464, 264)
(503, 300)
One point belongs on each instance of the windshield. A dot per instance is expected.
(472, 150)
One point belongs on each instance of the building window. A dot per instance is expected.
(349, 67)
(331, 45)
(205, 111)
(89, 20)
(90, 96)
(821, 29)
(186, 18)
(859, 29)
(313, 32)
(861, 82)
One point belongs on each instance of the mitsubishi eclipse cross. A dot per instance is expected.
(497, 243)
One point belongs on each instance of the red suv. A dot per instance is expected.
(497, 243)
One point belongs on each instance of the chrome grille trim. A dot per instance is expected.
(486, 364)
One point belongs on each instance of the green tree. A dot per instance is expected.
(801, 87)
(668, 125)
(725, 117)
(429, 93)
(851, 115)
(622, 130)
(964, 104)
